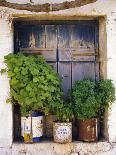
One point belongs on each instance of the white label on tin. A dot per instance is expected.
(37, 126)
(63, 132)
(27, 125)
(23, 119)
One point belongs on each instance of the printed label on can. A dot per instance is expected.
(27, 125)
(63, 132)
(37, 126)
(23, 119)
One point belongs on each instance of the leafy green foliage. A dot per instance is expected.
(89, 98)
(105, 94)
(84, 101)
(33, 83)
(64, 112)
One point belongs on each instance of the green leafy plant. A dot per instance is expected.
(83, 98)
(33, 83)
(90, 98)
(64, 112)
(105, 94)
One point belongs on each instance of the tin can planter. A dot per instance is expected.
(37, 126)
(32, 128)
(23, 122)
(88, 130)
(62, 132)
(26, 129)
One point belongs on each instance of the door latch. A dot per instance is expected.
(64, 75)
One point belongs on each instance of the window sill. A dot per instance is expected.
(46, 147)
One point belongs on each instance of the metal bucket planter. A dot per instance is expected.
(32, 127)
(62, 132)
(88, 130)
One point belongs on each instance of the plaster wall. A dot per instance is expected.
(37, 1)
(6, 42)
(111, 71)
(101, 8)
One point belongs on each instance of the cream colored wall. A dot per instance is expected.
(37, 1)
(6, 46)
(106, 8)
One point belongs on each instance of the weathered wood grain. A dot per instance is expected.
(48, 54)
(64, 69)
(83, 70)
(71, 48)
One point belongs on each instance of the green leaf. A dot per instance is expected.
(33, 83)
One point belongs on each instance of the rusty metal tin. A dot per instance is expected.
(88, 130)
(62, 132)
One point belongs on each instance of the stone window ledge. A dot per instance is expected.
(51, 148)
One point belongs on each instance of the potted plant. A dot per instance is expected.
(89, 99)
(35, 86)
(62, 129)
(105, 91)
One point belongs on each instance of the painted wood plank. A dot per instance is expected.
(48, 54)
(68, 54)
(83, 54)
(86, 34)
(38, 36)
(64, 36)
(51, 36)
(82, 36)
(65, 54)
(25, 34)
(80, 58)
(64, 69)
(83, 70)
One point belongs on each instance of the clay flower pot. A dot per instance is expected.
(88, 130)
(62, 132)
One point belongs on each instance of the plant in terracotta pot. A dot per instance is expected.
(89, 99)
(35, 86)
(62, 129)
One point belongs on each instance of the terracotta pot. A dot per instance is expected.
(88, 130)
(62, 132)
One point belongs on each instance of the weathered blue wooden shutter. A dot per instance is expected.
(71, 47)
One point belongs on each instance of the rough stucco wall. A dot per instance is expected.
(5, 109)
(111, 70)
(97, 9)
(75, 148)
(37, 1)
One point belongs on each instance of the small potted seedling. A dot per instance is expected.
(62, 129)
